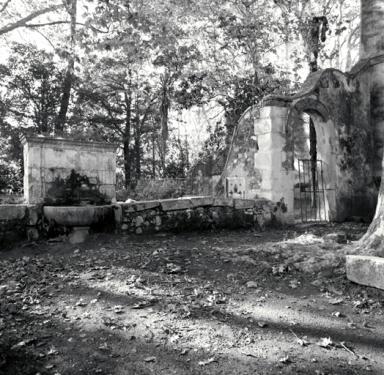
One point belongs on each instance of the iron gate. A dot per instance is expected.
(312, 191)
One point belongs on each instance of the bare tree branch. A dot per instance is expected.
(24, 21)
(45, 24)
(5, 6)
(36, 25)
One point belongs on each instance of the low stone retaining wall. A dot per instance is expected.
(17, 222)
(197, 213)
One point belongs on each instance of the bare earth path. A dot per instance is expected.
(196, 303)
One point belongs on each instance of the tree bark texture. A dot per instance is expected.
(372, 44)
(127, 139)
(68, 79)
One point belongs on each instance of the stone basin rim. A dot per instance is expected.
(75, 215)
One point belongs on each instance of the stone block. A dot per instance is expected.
(262, 126)
(146, 205)
(202, 201)
(32, 234)
(12, 211)
(128, 207)
(78, 235)
(175, 204)
(34, 213)
(273, 112)
(139, 221)
(241, 204)
(222, 202)
(366, 270)
(118, 211)
(158, 221)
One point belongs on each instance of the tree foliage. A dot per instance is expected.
(119, 70)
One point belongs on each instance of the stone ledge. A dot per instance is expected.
(51, 141)
(242, 204)
(13, 211)
(145, 205)
(175, 204)
(202, 201)
(366, 270)
(139, 206)
(223, 202)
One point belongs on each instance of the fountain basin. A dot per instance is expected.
(76, 216)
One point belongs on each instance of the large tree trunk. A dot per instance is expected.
(164, 112)
(372, 242)
(68, 79)
(372, 44)
(137, 150)
(127, 140)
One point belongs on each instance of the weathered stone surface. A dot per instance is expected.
(145, 205)
(46, 159)
(241, 204)
(76, 215)
(32, 234)
(175, 204)
(34, 214)
(117, 209)
(13, 212)
(78, 235)
(366, 270)
(223, 202)
(202, 201)
(139, 221)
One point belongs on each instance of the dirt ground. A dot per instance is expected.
(230, 302)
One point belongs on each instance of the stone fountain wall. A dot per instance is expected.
(48, 161)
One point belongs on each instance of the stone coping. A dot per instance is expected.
(13, 211)
(44, 140)
(18, 211)
(191, 202)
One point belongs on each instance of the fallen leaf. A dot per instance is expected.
(336, 301)
(18, 345)
(286, 360)
(302, 342)
(118, 309)
(141, 305)
(207, 362)
(184, 352)
(325, 342)
(81, 303)
(251, 284)
(150, 359)
(249, 354)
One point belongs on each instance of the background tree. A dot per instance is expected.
(122, 71)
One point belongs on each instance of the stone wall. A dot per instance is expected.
(48, 160)
(255, 165)
(197, 214)
(18, 222)
(242, 177)
(268, 142)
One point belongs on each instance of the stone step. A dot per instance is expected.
(366, 270)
